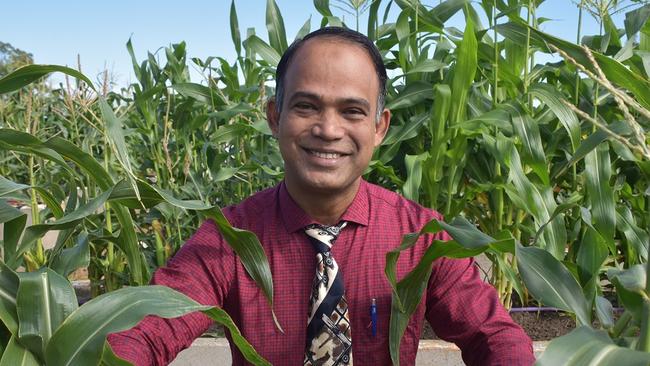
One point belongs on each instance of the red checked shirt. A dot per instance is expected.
(460, 307)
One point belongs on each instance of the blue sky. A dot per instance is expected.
(56, 31)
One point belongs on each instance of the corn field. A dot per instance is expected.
(542, 167)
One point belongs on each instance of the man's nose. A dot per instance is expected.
(329, 126)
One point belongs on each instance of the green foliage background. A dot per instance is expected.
(543, 158)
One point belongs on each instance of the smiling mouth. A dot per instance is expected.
(324, 154)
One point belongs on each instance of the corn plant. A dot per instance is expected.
(537, 156)
(53, 329)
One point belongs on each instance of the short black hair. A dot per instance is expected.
(340, 33)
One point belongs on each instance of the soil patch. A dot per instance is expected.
(540, 326)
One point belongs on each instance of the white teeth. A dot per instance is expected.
(325, 155)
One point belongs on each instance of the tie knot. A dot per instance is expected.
(324, 234)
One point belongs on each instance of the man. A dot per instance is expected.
(326, 233)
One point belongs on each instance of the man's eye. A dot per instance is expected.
(304, 106)
(354, 112)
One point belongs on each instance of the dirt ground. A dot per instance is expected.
(541, 326)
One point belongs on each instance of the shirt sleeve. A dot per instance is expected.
(203, 269)
(463, 309)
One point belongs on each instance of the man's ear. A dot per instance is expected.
(381, 127)
(272, 116)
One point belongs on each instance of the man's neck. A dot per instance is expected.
(324, 207)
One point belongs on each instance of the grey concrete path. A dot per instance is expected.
(216, 351)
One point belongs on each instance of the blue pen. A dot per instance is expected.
(373, 317)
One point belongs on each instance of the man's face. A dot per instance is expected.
(327, 130)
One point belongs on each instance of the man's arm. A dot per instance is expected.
(463, 309)
(203, 269)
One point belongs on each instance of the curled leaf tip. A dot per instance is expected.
(277, 323)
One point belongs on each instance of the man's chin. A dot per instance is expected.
(326, 185)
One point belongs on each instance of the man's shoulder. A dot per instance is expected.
(384, 199)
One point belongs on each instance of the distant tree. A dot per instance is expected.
(12, 58)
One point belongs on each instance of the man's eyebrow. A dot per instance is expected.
(313, 96)
(304, 94)
(359, 101)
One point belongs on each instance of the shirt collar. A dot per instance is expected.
(295, 218)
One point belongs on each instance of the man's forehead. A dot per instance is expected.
(313, 44)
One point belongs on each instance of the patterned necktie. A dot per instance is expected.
(329, 338)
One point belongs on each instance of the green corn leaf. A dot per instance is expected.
(17, 355)
(244, 243)
(14, 222)
(372, 19)
(80, 339)
(115, 137)
(275, 26)
(403, 33)
(109, 358)
(611, 37)
(411, 188)
(332, 21)
(43, 301)
(424, 16)
(528, 132)
(505, 75)
(54, 150)
(323, 7)
(601, 196)
(515, 57)
(412, 94)
(304, 30)
(538, 200)
(630, 285)
(550, 282)
(590, 143)
(8, 187)
(127, 241)
(437, 128)
(635, 20)
(35, 232)
(553, 99)
(636, 238)
(230, 112)
(8, 292)
(224, 174)
(427, 66)
(26, 143)
(436, 17)
(497, 117)
(512, 275)
(249, 353)
(268, 53)
(31, 73)
(251, 253)
(615, 71)
(604, 312)
(72, 258)
(407, 293)
(586, 346)
(234, 28)
(447, 9)
(134, 62)
(592, 253)
(206, 95)
(463, 73)
(398, 133)
(632, 279)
